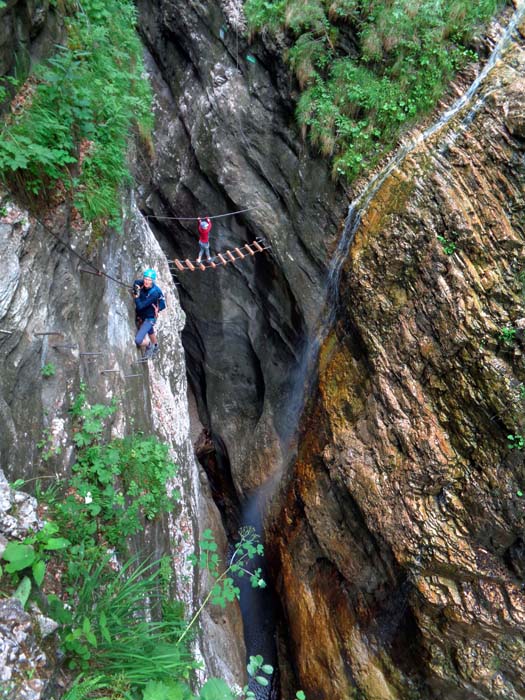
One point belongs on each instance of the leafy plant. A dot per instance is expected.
(31, 553)
(48, 370)
(448, 246)
(224, 589)
(115, 483)
(516, 441)
(354, 107)
(47, 446)
(77, 111)
(111, 629)
(507, 335)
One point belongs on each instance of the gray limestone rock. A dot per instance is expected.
(23, 665)
(18, 512)
(226, 141)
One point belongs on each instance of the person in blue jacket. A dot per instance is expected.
(149, 300)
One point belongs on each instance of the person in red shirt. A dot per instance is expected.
(204, 233)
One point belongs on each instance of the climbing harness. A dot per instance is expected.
(257, 246)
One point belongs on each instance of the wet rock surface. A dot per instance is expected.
(398, 545)
(226, 141)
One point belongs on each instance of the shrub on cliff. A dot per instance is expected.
(366, 69)
(70, 121)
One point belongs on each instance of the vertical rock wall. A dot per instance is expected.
(44, 290)
(398, 545)
(226, 141)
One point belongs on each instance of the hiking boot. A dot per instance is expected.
(154, 351)
(148, 352)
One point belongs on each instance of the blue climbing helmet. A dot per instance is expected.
(150, 273)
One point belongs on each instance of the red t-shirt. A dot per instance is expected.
(204, 232)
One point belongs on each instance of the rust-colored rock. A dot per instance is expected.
(399, 541)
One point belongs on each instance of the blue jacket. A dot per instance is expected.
(148, 299)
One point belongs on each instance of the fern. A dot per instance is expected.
(78, 109)
(83, 688)
(366, 69)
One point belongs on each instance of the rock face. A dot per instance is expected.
(29, 31)
(226, 141)
(24, 665)
(45, 291)
(398, 545)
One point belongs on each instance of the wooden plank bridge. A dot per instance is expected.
(249, 250)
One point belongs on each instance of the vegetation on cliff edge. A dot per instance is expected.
(70, 120)
(122, 634)
(366, 70)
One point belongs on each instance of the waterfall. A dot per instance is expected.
(254, 509)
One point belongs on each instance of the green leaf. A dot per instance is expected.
(39, 571)
(17, 484)
(261, 680)
(19, 556)
(300, 695)
(216, 689)
(159, 690)
(267, 668)
(23, 591)
(519, 493)
(57, 543)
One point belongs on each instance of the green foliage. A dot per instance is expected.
(406, 51)
(31, 554)
(48, 370)
(47, 446)
(449, 247)
(224, 589)
(516, 441)
(115, 483)
(78, 110)
(111, 629)
(507, 335)
(256, 667)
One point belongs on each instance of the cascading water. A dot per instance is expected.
(257, 613)
(360, 204)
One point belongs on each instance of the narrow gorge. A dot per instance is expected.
(354, 394)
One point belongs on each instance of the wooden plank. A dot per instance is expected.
(223, 261)
(212, 264)
(241, 256)
(190, 265)
(230, 256)
(247, 247)
(201, 267)
(258, 247)
(179, 266)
